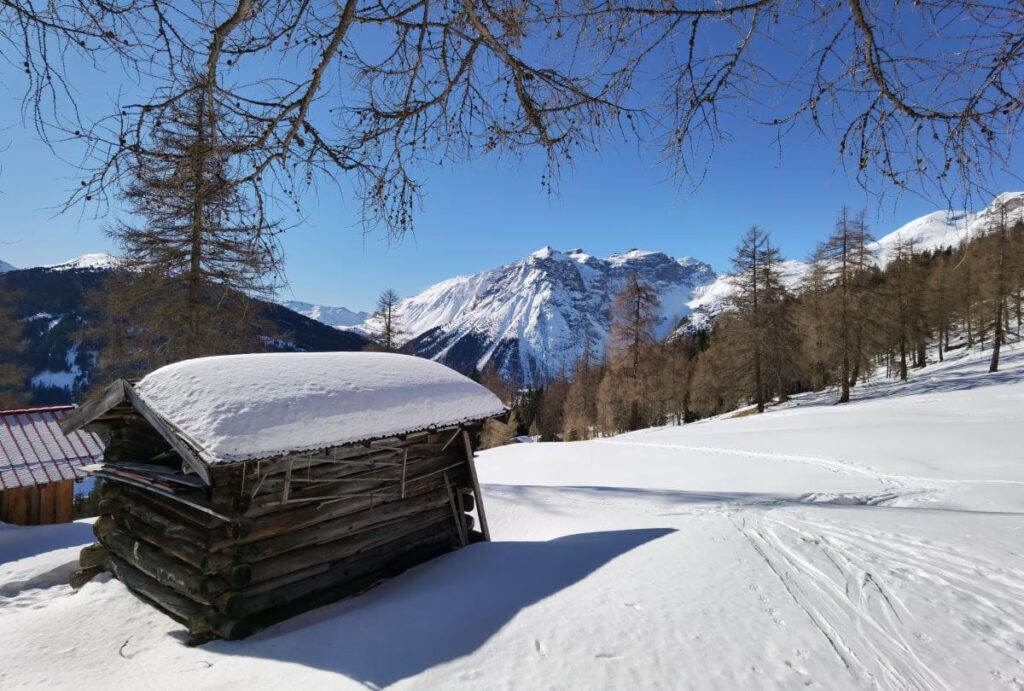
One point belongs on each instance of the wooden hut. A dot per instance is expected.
(240, 490)
(39, 465)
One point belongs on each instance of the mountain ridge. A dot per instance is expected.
(532, 318)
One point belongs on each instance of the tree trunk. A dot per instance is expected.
(903, 358)
(997, 337)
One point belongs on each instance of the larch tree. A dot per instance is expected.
(579, 415)
(845, 258)
(388, 329)
(200, 251)
(635, 313)
(750, 300)
(782, 339)
(902, 297)
(998, 284)
(939, 304)
(811, 320)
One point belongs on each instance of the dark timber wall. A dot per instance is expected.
(38, 505)
(268, 539)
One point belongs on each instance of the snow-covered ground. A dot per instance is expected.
(878, 544)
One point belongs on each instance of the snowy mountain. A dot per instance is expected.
(935, 231)
(87, 262)
(533, 318)
(5, 267)
(332, 316)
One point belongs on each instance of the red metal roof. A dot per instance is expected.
(33, 450)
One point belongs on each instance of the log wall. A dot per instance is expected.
(269, 539)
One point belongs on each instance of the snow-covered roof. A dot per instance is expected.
(245, 407)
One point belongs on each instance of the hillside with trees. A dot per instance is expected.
(848, 319)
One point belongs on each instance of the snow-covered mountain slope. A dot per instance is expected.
(935, 231)
(533, 318)
(97, 261)
(5, 267)
(942, 229)
(875, 545)
(332, 316)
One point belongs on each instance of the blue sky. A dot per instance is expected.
(492, 211)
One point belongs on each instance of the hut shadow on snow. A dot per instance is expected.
(439, 611)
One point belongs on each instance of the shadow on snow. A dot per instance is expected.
(439, 611)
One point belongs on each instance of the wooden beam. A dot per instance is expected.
(95, 406)
(193, 502)
(476, 486)
(460, 525)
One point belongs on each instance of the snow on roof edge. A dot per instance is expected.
(231, 460)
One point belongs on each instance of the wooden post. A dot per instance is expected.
(476, 486)
(460, 526)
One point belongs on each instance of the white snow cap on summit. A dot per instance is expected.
(96, 261)
(246, 407)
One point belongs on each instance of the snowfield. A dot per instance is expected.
(874, 545)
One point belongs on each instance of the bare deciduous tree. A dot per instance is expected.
(923, 95)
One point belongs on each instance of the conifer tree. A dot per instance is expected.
(999, 284)
(903, 290)
(12, 375)
(579, 414)
(201, 251)
(810, 320)
(389, 321)
(750, 303)
(767, 340)
(845, 258)
(634, 316)
(940, 310)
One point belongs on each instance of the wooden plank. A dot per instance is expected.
(16, 506)
(33, 504)
(48, 503)
(65, 501)
(339, 550)
(110, 397)
(351, 524)
(164, 473)
(194, 502)
(460, 526)
(168, 433)
(476, 486)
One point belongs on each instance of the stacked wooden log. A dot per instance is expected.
(268, 539)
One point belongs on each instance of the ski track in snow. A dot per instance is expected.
(846, 580)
